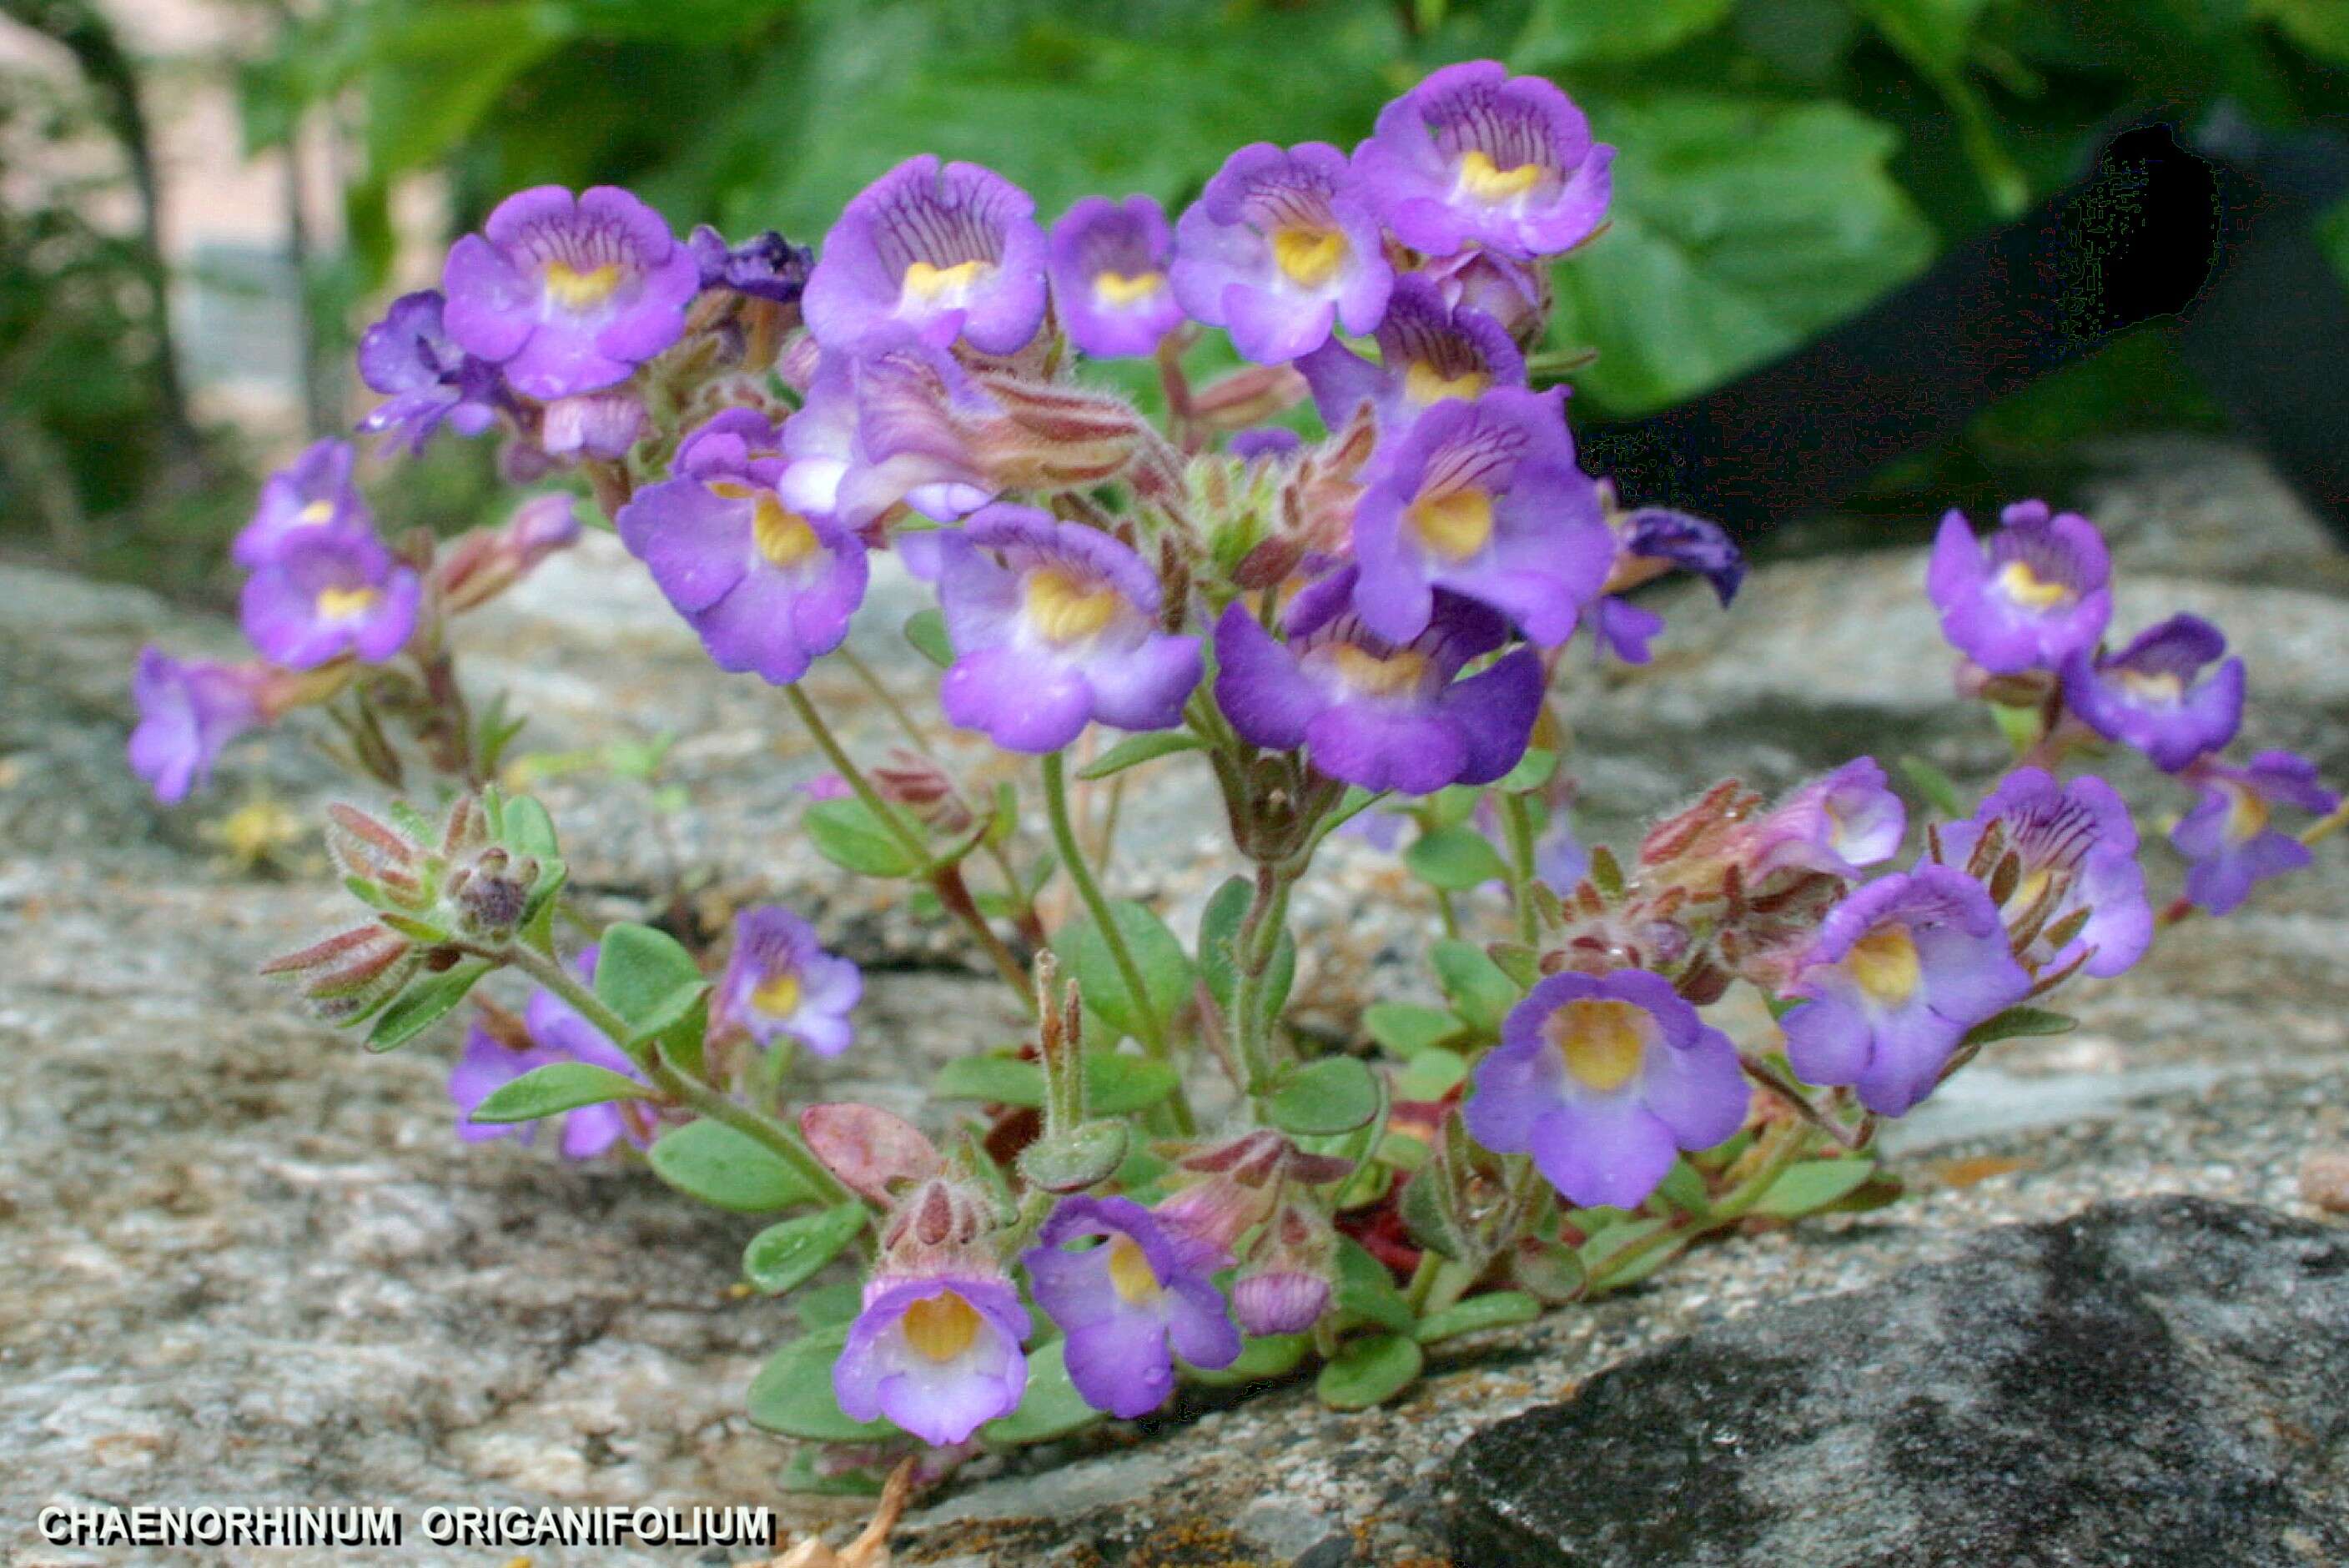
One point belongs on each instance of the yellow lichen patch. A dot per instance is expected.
(1366, 673)
(575, 289)
(1454, 524)
(941, 1327)
(1884, 963)
(924, 282)
(1067, 608)
(1130, 1271)
(345, 603)
(1115, 289)
(2028, 589)
(1603, 1041)
(1309, 257)
(1423, 384)
(1488, 182)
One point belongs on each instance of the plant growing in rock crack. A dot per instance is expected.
(1351, 630)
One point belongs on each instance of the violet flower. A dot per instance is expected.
(1108, 262)
(767, 587)
(1279, 248)
(2040, 594)
(556, 1033)
(1428, 351)
(938, 1354)
(410, 357)
(1054, 626)
(1128, 1306)
(328, 591)
(2228, 836)
(1900, 971)
(1473, 155)
(568, 293)
(779, 980)
(2075, 849)
(766, 266)
(1482, 499)
(313, 491)
(1514, 293)
(1603, 1079)
(2160, 693)
(943, 251)
(1837, 823)
(600, 424)
(1656, 533)
(189, 711)
(1372, 712)
(887, 427)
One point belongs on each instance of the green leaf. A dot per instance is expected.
(2319, 27)
(2016, 1023)
(1494, 1309)
(1533, 770)
(1810, 1185)
(1933, 787)
(1683, 1189)
(1049, 1408)
(1520, 963)
(1407, 1028)
(1080, 1158)
(1220, 924)
(850, 836)
(1118, 1084)
(926, 631)
(424, 1003)
(646, 976)
(1430, 1074)
(1137, 750)
(1480, 993)
(1454, 860)
(726, 1169)
(1740, 227)
(1936, 36)
(551, 1089)
(1000, 1080)
(1370, 1371)
(786, 1256)
(823, 1306)
(792, 1392)
(1602, 1249)
(1428, 1217)
(1552, 1270)
(528, 829)
(1561, 33)
(1167, 973)
(1366, 1290)
(1336, 1094)
(1261, 1361)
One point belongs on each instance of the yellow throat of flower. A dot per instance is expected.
(1066, 608)
(577, 290)
(2153, 686)
(1309, 257)
(1488, 182)
(778, 995)
(941, 1327)
(1603, 1042)
(1884, 965)
(924, 282)
(316, 511)
(2028, 589)
(2247, 814)
(1365, 671)
(1454, 524)
(1130, 1273)
(1115, 289)
(1423, 384)
(345, 603)
(782, 535)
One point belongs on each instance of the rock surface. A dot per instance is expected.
(2160, 1381)
(241, 1262)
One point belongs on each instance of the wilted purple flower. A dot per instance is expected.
(886, 427)
(765, 266)
(1129, 1306)
(313, 491)
(1109, 276)
(779, 980)
(938, 1354)
(769, 588)
(1837, 823)
(188, 711)
(1473, 155)
(1278, 247)
(1482, 499)
(1428, 351)
(1054, 626)
(1602, 1078)
(328, 592)
(554, 1031)
(2228, 837)
(2158, 694)
(1379, 713)
(2076, 849)
(2041, 596)
(411, 358)
(568, 293)
(941, 252)
(1901, 970)
(1656, 536)
(603, 425)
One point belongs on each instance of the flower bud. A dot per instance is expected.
(1285, 1285)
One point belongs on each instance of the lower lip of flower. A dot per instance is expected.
(1130, 1273)
(1488, 181)
(778, 995)
(941, 1327)
(1885, 965)
(1365, 673)
(928, 284)
(1307, 257)
(1603, 1042)
(2159, 687)
(2028, 589)
(1065, 608)
(577, 290)
(1423, 384)
(1118, 289)
(1454, 524)
(345, 603)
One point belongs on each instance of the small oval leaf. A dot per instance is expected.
(729, 1170)
(551, 1089)
(1370, 1371)
(785, 1256)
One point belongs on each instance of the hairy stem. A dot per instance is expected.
(1517, 819)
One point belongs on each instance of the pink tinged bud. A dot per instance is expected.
(1279, 1303)
(364, 847)
(593, 424)
(1250, 396)
(870, 1149)
(923, 788)
(940, 1227)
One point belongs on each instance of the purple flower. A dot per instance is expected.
(1054, 626)
(2158, 694)
(568, 293)
(554, 1033)
(1625, 629)
(941, 252)
(1514, 293)
(1129, 1306)
(1658, 534)
(2228, 837)
(768, 587)
(1602, 1078)
(2041, 596)
(780, 980)
(766, 266)
(1270, 443)
(188, 711)
(1109, 276)
(1428, 351)
(1279, 246)
(1901, 970)
(603, 425)
(411, 358)
(1473, 155)
(2076, 849)
(328, 591)
(1483, 499)
(313, 491)
(939, 1355)
(1379, 713)
(884, 427)
(1836, 824)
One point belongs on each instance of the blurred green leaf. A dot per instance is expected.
(792, 1392)
(1336, 1094)
(1166, 969)
(850, 836)
(1494, 1309)
(1049, 1408)
(1406, 1028)
(553, 1088)
(1370, 1371)
(1811, 1185)
(1480, 991)
(1136, 750)
(1608, 31)
(1454, 860)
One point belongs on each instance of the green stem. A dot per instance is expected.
(1253, 947)
(1516, 819)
